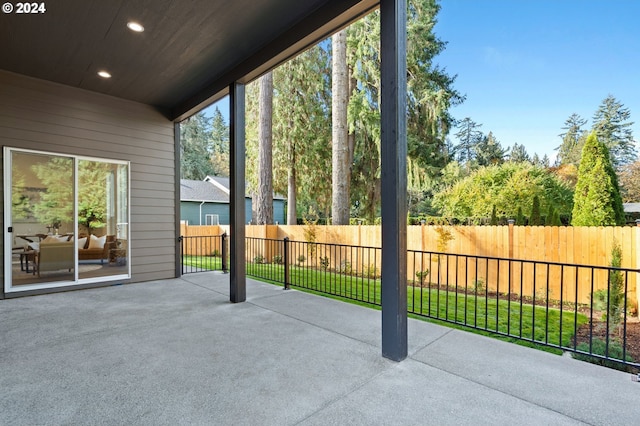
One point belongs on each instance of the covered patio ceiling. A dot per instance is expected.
(187, 55)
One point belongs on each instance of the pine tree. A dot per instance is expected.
(469, 138)
(219, 144)
(195, 148)
(613, 128)
(489, 151)
(264, 199)
(519, 154)
(519, 217)
(549, 217)
(340, 144)
(596, 200)
(572, 140)
(535, 219)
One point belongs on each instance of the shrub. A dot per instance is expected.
(325, 262)
(277, 259)
(259, 259)
(301, 259)
(519, 217)
(370, 271)
(536, 219)
(216, 253)
(421, 275)
(345, 267)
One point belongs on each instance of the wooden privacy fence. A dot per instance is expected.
(550, 244)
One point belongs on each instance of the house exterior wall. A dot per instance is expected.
(190, 211)
(278, 212)
(39, 115)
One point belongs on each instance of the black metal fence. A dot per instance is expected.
(576, 308)
(204, 253)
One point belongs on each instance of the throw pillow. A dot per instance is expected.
(97, 242)
(82, 242)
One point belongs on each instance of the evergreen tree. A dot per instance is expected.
(613, 128)
(469, 137)
(340, 131)
(520, 217)
(518, 154)
(535, 218)
(555, 219)
(195, 147)
(430, 94)
(549, 217)
(572, 140)
(219, 144)
(489, 151)
(597, 200)
(264, 197)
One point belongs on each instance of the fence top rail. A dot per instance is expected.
(438, 253)
(318, 243)
(542, 262)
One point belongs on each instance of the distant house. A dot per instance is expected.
(206, 202)
(632, 211)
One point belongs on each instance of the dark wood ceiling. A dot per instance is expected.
(189, 53)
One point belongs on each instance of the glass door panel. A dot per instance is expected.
(102, 219)
(41, 218)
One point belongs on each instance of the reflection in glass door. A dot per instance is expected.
(102, 218)
(41, 219)
(66, 218)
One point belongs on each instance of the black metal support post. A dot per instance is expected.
(394, 178)
(238, 277)
(224, 253)
(285, 250)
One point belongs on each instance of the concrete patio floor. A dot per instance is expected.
(177, 352)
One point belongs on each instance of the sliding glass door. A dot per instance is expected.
(66, 219)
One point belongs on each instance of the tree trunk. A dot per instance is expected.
(291, 188)
(340, 143)
(264, 207)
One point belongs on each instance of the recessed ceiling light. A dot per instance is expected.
(104, 74)
(134, 26)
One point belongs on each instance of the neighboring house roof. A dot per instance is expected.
(212, 188)
(199, 190)
(631, 207)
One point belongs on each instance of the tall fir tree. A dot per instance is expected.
(469, 137)
(195, 147)
(518, 154)
(535, 219)
(489, 151)
(573, 139)
(596, 200)
(613, 128)
(219, 144)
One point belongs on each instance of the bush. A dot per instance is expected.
(259, 259)
(277, 259)
(325, 262)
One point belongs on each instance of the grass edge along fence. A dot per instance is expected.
(478, 292)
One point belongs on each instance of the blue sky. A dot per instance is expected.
(526, 65)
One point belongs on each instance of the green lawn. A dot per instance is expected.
(537, 324)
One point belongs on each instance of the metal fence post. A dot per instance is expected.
(223, 246)
(181, 242)
(286, 263)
